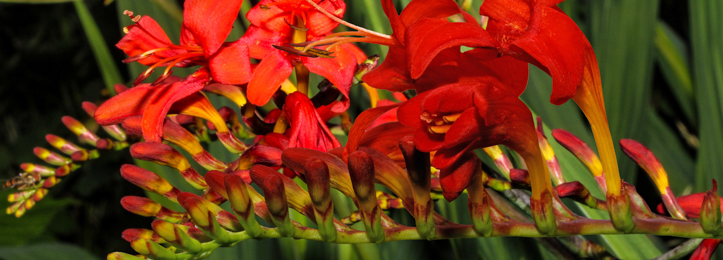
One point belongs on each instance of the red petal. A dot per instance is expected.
(231, 65)
(558, 44)
(512, 73)
(446, 157)
(307, 128)
(428, 37)
(259, 41)
(508, 19)
(131, 102)
(385, 138)
(318, 23)
(273, 18)
(465, 129)
(267, 78)
(339, 70)
(210, 21)
(156, 111)
(147, 35)
(361, 124)
(435, 9)
(392, 74)
(454, 179)
(395, 21)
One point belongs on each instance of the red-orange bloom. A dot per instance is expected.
(307, 129)
(206, 25)
(456, 119)
(534, 31)
(281, 22)
(423, 15)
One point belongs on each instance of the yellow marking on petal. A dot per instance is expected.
(439, 129)
(373, 94)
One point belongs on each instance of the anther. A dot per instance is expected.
(451, 118)
(439, 129)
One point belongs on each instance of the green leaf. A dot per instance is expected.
(48, 251)
(707, 39)
(673, 61)
(106, 63)
(622, 35)
(16, 231)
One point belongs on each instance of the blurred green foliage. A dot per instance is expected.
(661, 63)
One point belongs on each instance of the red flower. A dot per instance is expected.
(534, 31)
(455, 119)
(206, 25)
(281, 22)
(394, 73)
(307, 129)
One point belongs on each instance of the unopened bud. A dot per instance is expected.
(361, 171)
(149, 181)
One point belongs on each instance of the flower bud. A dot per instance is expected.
(710, 212)
(503, 163)
(176, 235)
(419, 172)
(146, 207)
(50, 157)
(79, 129)
(36, 168)
(361, 171)
(152, 249)
(205, 219)
(276, 202)
(62, 144)
(164, 154)
(318, 181)
(583, 152)
(647, 160)
(136, 233)
(236, 190)
(122, 256)
(148, 181)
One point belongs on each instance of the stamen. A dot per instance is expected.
(441, 129)
(336, 19)
(451, 118)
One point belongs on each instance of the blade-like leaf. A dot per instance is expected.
(106, 63)
(673, 61)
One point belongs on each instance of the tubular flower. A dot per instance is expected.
(534, 31)
(205, 27)
(455, 119)
(277, 23)
(307, 130)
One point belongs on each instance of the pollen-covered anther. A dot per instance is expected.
(451, 118)
(439, 129)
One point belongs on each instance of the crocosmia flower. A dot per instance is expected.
(206, 25)
(277, 23)
(455, 119)
(534, 31)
